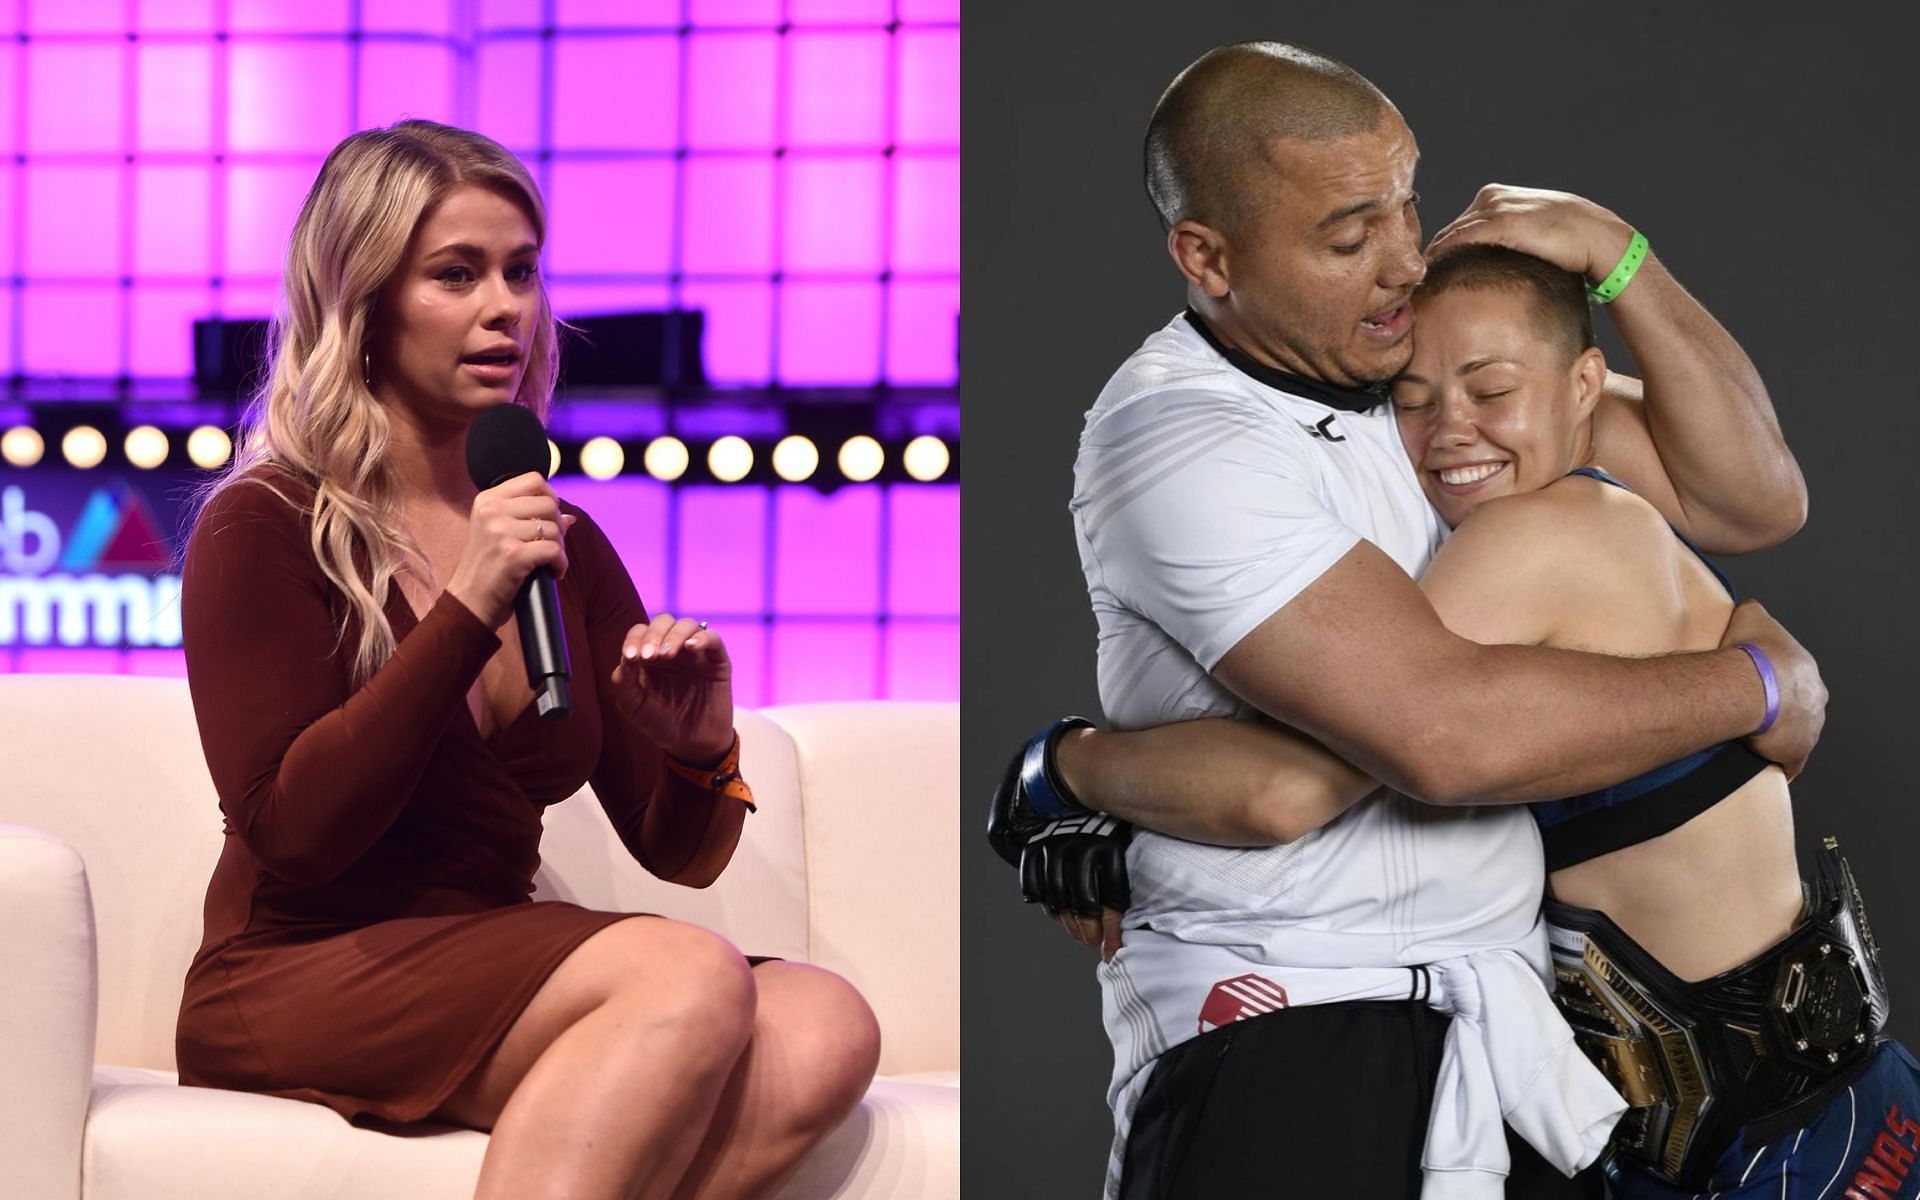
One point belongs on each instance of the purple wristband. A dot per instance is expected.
(1768, 680)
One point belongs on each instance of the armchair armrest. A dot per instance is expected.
(881, 796)
(48, 1008)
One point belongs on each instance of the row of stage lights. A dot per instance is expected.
(85, 447)
(795, 459)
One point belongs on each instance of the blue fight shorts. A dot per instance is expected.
(1862, 1146)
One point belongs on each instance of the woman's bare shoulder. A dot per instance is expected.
(1574, 520)
(1522, 568)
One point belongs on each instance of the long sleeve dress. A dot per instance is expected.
(369, 931)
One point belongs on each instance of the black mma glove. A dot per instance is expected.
(1078, 865)
(1070, 858)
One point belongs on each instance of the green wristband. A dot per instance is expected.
(1623, 270)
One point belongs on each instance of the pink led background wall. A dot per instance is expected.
(791, 167)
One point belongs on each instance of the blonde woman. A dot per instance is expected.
(370, 942)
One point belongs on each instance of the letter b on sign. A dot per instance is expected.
(29, 542)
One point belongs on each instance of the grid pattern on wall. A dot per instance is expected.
(791, 167)
(850, 595)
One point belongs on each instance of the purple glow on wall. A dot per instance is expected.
(838, 11)
(610, 218)
(832, 219)
(164, 243)
(62, 116)
(824, 660)
(713, 526)
(736, 12)
(406, 78)
(616, 93)
(926, 215)
(158, 312)
(286, 96)
(176, 97)
(262, 201)
(743, 115)
(729, 216)
(67, 208)
(36, 660)
(289, 16)
(790, 167)
(828, 331)
(923, 332)
(923, 576)
(929, 94)
(739, 337)
(695, 150)
(54, 313)
(835, 79)
(840, 573)
(923, 661)
(853, 595)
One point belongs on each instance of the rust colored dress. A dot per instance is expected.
(370, 935)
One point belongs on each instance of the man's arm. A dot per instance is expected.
(1698, 438)
(1225, 782)
(1507, 576)
(1361, 662)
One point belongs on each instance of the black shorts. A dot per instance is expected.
(1323, 1100)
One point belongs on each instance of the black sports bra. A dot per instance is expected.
(1644, 807)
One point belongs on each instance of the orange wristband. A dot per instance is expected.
(723, 779)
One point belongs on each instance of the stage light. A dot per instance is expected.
(602, 458)
(84, 446)
(795, 459)
(926, 458)
(553, 459)
(146, 447)
(730, 459)
(209, 447)
(22, 446)
(861, 458)
(666, 458)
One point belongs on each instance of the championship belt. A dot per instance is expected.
(1760, 1046)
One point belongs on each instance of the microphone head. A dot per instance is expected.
(504, 441)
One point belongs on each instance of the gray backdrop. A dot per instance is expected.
(1770, 165)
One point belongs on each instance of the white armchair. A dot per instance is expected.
(109, 829)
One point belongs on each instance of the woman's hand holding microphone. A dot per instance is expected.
(674, 682)
(513, 528)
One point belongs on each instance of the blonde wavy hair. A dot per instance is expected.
(316, 416)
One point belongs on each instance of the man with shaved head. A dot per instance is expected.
(1244, 139)
(1360, 1011)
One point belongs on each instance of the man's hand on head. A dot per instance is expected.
(1803, 694)
(1566, 230)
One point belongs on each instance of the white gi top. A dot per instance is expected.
(1204, 501)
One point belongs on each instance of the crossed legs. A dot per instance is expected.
(653, 1064)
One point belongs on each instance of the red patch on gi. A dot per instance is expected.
(1238, 998)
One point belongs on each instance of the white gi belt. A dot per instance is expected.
(1508, 1058)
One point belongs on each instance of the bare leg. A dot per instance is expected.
(606, 1084)
(814, 1048)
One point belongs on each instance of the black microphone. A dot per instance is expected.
(504, 441)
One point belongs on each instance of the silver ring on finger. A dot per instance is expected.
(539, 531)
(703, 624)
